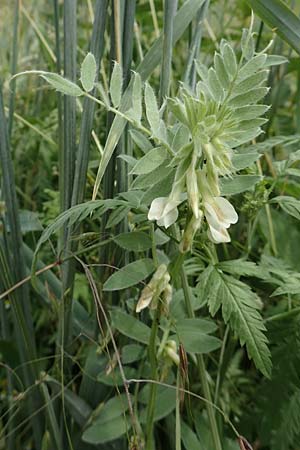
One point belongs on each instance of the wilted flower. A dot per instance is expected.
(220, 214)
(171, 351)
(164, 211)
(159, 284)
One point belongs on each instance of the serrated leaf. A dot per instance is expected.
(289, 204)
(136, 241)
(153, 159)
(238, 184)
(240, 309)
(129, 275)
(243, 268)
(62, 85)
(152, 111)
(116, 84)
(88, 72)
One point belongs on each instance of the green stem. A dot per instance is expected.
(178, 423)
(153, 387)
(201, 367)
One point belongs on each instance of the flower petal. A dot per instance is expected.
(226, 209)
(218, 236)
(157, 208)
(168, 219)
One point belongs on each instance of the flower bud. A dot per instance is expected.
(171, 351)
(189, 233)
(156, 286)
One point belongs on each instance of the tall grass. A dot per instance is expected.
(83, 354)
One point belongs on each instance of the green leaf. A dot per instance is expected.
(114, 407)
(136, 241)
(112, 430)
(215, 86)
(62, 85)
(240, 308)
(238, 184)
(289, 204)
(131, 353)
(165, 402)
(243, 268)
(130, 326)
(194, 339)
(249, 97)
(129, 275)
(88, 72)
(241, 161)
(153, 57)
(249, 112)
(189, 438)
(280, 18)
(153, 159)
(229, 59)
(116, 84)
(140, 140)
(152, 111)
(146, 180)
(137, 98)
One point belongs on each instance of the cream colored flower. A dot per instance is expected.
(159, 284)
(164, 211)
(220, 214)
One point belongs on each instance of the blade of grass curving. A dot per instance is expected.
(5, 335)
(190, 70)
(78, 187)
(97, 47)
(280, 18)
(170, 7)
(13, 257)
(182, 20)
(13, 69)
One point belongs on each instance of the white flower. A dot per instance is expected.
(158, 284)
(164, 211)
(220, 214)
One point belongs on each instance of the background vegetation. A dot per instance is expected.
(79, 368)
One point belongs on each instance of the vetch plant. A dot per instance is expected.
(173, 289)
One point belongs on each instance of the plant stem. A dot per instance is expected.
(178, 423)
(201, 366)
(153, 387)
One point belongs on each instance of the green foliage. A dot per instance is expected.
(240, 308)
(134, 301)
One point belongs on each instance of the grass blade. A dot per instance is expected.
(182, 20)
(280, 18)
(165, 79)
